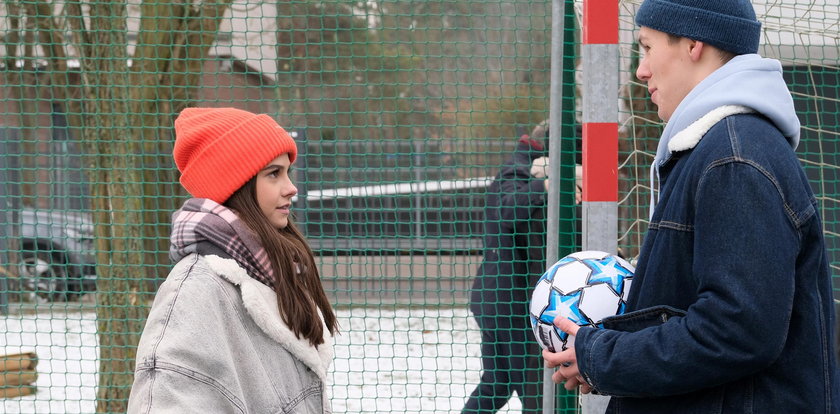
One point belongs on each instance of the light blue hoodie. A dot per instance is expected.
(746, 80)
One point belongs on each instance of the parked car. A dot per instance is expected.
(56, 253)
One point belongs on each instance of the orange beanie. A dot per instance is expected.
(218, 150)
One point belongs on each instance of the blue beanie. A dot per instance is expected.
(729, 25)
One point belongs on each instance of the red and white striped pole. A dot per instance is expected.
(600, 139)
(600, 125)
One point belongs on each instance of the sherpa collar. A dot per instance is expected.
(261, 303)
(691, 135)
(688, 138)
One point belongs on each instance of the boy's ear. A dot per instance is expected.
(695, 49)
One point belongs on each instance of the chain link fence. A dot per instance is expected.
(403, 112)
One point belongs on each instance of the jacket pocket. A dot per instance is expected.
(643, 318)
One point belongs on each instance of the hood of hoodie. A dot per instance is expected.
(746, 80)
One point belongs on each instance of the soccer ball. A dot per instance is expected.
(585, 287)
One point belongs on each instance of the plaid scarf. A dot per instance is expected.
(206, 227)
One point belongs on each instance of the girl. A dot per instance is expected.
(242, 323)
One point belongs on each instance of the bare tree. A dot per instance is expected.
(337, 73)
(428, 70)
(121, 109)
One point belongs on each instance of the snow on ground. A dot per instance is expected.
(387, 360)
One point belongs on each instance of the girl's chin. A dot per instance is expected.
(280, 223)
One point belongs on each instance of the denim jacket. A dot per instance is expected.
(730, 310)
(214, 342)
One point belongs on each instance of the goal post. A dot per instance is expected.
(599, 99)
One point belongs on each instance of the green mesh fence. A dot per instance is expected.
(403, 111)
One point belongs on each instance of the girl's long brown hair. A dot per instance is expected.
(297, 283)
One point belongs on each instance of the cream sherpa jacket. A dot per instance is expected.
(214, 342)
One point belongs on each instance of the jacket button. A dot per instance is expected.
(664, 317)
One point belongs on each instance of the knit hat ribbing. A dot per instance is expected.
(217, 150)
(729, 25)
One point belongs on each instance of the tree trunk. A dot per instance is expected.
(117, 204)
(127, 133)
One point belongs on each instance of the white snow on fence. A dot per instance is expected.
(388, 360)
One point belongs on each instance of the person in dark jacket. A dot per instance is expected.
(731, 307)
(514, 258)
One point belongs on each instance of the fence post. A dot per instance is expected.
(561, 215)
(600, 139)
(7, 155)
(301, 177)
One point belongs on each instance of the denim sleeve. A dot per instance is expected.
(744, 257)
(170, 388)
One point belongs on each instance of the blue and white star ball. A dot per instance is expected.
(585, 287)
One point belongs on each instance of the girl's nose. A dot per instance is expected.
(291, 190)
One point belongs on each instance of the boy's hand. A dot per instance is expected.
(566, 361)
